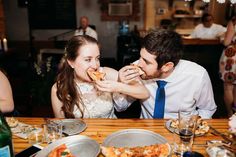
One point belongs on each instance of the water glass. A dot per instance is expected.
(35, 135)
(186, 129)
(52, 131)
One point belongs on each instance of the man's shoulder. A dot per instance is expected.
(190, 67)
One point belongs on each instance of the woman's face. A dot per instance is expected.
(88, 58)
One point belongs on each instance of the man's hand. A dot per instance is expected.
(128, 74)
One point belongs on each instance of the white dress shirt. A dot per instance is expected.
(89, 31)
(212, 32)
(188, 88)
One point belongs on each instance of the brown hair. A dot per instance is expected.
(165, 44)
(66, 86)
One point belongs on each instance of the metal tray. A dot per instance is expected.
(79, 145)
(133, 138)
(72, 126)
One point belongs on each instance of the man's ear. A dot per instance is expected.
(167, 67)
(71, 63)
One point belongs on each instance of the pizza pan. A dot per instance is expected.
(79, 145)
(72, 126)
(133, 138)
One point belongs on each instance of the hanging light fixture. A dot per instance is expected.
(233, 1)
(221, 1)
(206, 1)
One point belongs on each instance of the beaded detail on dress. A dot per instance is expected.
(97, 104)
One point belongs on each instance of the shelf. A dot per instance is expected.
(186, 16)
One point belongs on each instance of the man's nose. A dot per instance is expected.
(140, 63)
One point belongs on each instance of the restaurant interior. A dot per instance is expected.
(36, 32)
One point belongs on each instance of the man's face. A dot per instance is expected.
(148, 64)
(208, 22)
(84, 22)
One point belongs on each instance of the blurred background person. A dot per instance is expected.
(6, 98)
(228, 66)
(75, 94)
(207, 29)
(85, 28)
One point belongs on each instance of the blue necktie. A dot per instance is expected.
(160, 100)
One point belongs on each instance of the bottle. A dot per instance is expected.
(6, 149)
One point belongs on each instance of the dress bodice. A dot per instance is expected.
(97, 104)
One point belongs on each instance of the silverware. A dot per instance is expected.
(216, 132)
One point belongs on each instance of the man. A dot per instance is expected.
(207, 29)
(84, 28)
(187, 84)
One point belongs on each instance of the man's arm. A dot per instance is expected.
(205, 98)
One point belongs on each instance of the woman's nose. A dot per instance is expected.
(95, 65)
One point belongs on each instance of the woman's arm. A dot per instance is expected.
(136, 89)
(56, 103)
(229, 33)
(6, 98)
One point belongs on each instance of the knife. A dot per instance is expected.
(225, 137)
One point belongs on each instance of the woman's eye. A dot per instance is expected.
(88, 60)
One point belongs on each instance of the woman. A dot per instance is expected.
(75, 94)
(228, 66)
(6, 98)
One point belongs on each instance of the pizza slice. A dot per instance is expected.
(140, 71)
(157, 150)
(60, 151)
(96, 75)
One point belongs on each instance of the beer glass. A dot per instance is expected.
(186, 129)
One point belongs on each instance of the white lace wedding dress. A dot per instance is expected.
(97, 104)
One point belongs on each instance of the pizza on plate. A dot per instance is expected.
(202, 126)
(12, 122)
(96, 75)
(60, 151)
(157, 150)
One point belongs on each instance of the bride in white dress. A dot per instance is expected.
(75, 95)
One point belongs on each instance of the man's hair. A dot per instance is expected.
(165, 44)
(204, 17)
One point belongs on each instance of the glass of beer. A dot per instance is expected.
(186, 129)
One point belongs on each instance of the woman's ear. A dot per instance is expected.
(71, 63)
(167, 67)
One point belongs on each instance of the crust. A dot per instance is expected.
(157, 150)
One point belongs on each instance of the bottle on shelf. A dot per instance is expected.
(6, 149)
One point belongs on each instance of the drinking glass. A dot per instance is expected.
(52, 131)
(186, 129)
(35, 134)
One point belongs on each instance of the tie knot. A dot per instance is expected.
(161, 83)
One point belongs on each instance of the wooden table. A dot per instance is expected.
(99, 129)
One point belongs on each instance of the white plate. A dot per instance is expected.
(72, 126)
(133, 138)
(79, 145)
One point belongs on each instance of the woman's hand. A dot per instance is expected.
(128, 74)
(107, 86)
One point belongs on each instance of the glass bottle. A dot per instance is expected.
(6, 149)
